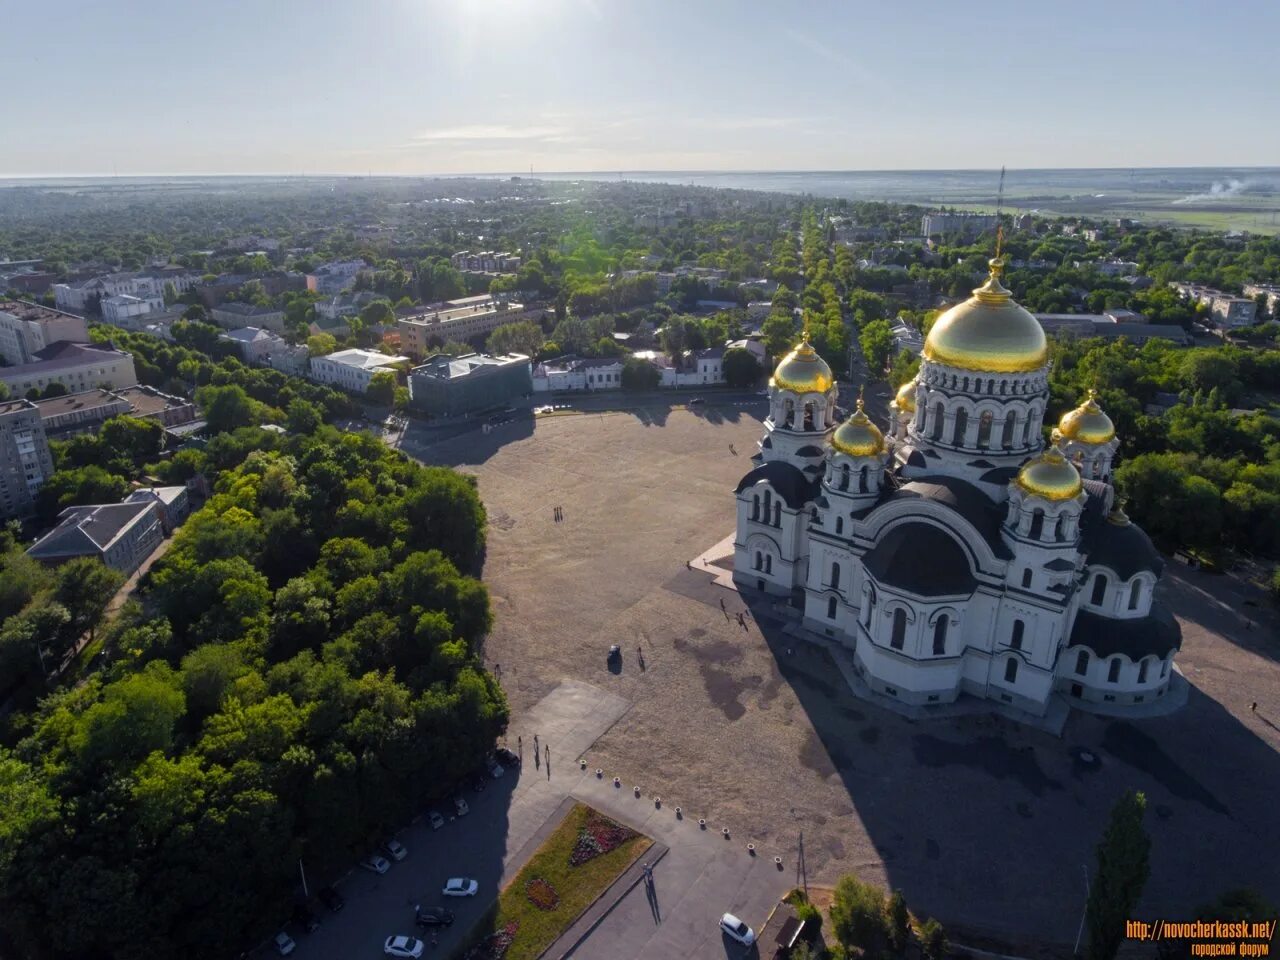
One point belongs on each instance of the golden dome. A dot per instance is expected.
(802, 370)
(1051, 476)
(988, 332)
(906, 397)
(1087, 423)
(858, 436)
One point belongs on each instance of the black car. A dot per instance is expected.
(434, 917)
(305, 918)
(506, 757)
(332, 899)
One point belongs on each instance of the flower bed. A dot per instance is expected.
(542, 894)
(494, 946)
(597, 837)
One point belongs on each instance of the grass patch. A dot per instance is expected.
(575, 887)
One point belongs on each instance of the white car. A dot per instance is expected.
(284, 944)
(375, 864)
(495, 769)
(460, 887)
(403, 947)
(435, 819)
(737, 930)
(395, 850)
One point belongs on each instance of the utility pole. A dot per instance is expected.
(802, 870)
(303, 873)
(1084, 913)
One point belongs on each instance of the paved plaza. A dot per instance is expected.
(983, 823)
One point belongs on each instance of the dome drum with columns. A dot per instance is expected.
(953, 554)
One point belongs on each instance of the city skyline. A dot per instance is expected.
(425, 88)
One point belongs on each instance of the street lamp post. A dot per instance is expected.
(1083, 913)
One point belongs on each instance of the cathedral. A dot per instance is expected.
(957, 554)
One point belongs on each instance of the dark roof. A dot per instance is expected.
(809, 450)
(922, 558)
(789, 483)
(966, 500)
(64, 355)
(87, 530)
(1000, 475)
(1124, 548)
(1155, 634)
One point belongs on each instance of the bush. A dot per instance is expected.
(858, 916)
(898, 921)
(933, 940)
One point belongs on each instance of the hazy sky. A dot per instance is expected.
(419, 86)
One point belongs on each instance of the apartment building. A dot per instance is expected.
(25, 462)
(27, 328)
(421, 333)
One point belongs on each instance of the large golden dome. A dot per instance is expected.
(858, 436)
(802, 370)
(1087, 423)
(1051, 476)
(988, 332)
(906, 397)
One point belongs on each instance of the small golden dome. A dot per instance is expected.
(1051, 476)
(906, 397)
(988, 332)
(1087, 423)
(858, 436)
(802, 370)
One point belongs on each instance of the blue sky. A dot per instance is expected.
(419, 86)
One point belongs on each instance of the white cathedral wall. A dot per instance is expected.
(1095, 685)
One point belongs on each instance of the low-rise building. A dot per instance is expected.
(121, 535)
(27, 328)
(25, 461)
(121, 309)
(334, 277)
(173, 504)
(1229, 312)
(1269, 290)
(1085, 325)
(421, 334)
(233, 316)
(449, 386)
(906, 337)
(577, 373)
(352, 370)
(343, 305)
(77, 366)
(255, 345)
(81, 295)
(148, 403)
(966, 225)
(83, 412)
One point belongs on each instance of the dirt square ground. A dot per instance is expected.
(980, 822)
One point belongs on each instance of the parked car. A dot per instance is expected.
(435, 818)
(332, 899)
(460, 806)
(738, 930)
(395, 850)
(435, 917)
(305, 917)
(695, 401)
(495, 770)
(284, 944)
(375, 864)
(506, 757)
(460, 887)
(403, 947)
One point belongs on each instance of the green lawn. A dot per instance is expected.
(577, 888)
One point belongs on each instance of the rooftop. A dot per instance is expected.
(246, 309)
(65, 355)
(87, 530)
(147, 401)
(25, 310)
(85, 400)
(363, 359)
(471, 307)
(442, 367)
(249, 334)
(13, 406)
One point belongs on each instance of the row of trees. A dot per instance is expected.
(305, 673)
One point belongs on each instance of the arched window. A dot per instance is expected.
(1099, 594)
(839, 524)
(768, 504)
(862, 479)
(1026, 578)
(755, 507)
(938, 417)
(940, 635)
(1113, 670)
(789, 415)
(984, 429)
(1011, 670)
(1004, 387)
(835, 575)
(759, 560)
(1135, 594)
(1010, 423)
(899, 636)
(1060, 528)
(871, 603)
(813, 515)
(1142, 671)
(768, 563)
(1082, 662)
(962, 424)
(1015, 639)
(1037, 524)
(844, 476)
(808, 416)
(831, 608)
(777, 513)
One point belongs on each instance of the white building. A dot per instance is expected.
(79, 294)
(1269, 290)
(77, 366)
(968, 225)
(334, 277)
(351, 370)
(27, 328)
(232, 316)
(25, 460)
(577, 373)
(122, 309)
(955, 555)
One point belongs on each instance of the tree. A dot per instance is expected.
(933, 940)
(638, 374)
(68, 488)
(226, 408)
(379, 313)
(85, 585)
(741, 369)
(303, 417)
(876, 341)
(779, 332)
(322, 344)
(1123, 867)
(858, 916)
(898, 922)
(139, 440)
(524, 337)
(381, 391)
